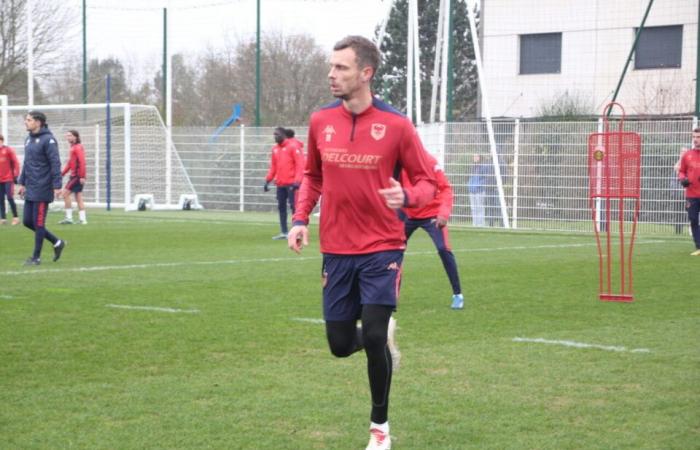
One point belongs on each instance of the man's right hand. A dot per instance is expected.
(20, 190)
(266, 186)
(685, 182)
(298, 238)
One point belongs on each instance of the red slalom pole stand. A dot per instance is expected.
(614, 172)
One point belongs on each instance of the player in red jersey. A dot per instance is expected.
(9, 171)
(433, 219)
(291, 137)
(357, 147)
(689, 175)
(286, 169)
(76, 182)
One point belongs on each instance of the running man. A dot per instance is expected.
(357, 147)
(39, 182)
(76, 182)
(433, 219)
(9, 171)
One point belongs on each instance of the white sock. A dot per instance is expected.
(69, 213)
(81, 214)
(383, 427)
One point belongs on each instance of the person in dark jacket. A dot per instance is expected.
(39, 182)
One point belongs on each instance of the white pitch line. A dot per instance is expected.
(6, 297)
(154, 308)
(35, 271)
(610, 348)
(308, 320)
(157, 265)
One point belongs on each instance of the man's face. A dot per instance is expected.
(279, 136)
(32, 124)
(345, 76)
(696, 140)
(70, 138)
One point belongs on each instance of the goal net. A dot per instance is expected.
(129, 153)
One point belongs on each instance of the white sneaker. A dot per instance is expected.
(82, 222)
(393, 348)
(378, 440)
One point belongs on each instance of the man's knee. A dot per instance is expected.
(28, 223)
(374, 338)
(341, 348)
(444, 252)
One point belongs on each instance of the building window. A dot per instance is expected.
(540, 53)
(659, 47)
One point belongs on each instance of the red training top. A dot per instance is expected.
(286, 164)
(441, 206)
(9, 164)
(76, 162)
(690, 169)
(352, 156)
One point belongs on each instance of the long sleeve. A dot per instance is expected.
(55, 162)
(312, 182)
(415, 161)
(273, 166)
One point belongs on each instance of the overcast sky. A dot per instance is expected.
(132, 30)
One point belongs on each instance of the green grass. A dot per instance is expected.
(242, 374)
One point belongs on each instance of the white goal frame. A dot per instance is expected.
(143, 157)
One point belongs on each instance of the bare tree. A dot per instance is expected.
(53, 28)
(293, 79)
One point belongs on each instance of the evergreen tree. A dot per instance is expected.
(390, 82)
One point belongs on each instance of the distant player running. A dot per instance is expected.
(9, 171)
(433, 219)
(357, 147)
(76, 182)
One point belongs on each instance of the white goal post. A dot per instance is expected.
(127, 149)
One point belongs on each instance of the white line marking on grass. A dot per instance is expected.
(610, 348)
(308, 320)
(155, 308)
(157, 265)
(34, 271)
(524, 247)
(6, 297)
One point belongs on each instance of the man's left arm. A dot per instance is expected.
(82, 168)
(55, 162)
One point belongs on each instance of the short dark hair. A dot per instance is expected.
(367, 54)
(38, 115)
(2, 138)
(697, 130)
(76, 134)
(289, 132)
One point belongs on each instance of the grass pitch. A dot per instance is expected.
(233, 359)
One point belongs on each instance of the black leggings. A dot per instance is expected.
(344, 339)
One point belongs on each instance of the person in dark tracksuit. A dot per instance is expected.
(39, 182)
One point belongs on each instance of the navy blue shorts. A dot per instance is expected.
(74, 185)
(350, 281)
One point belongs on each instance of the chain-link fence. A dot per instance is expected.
(543, 168)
